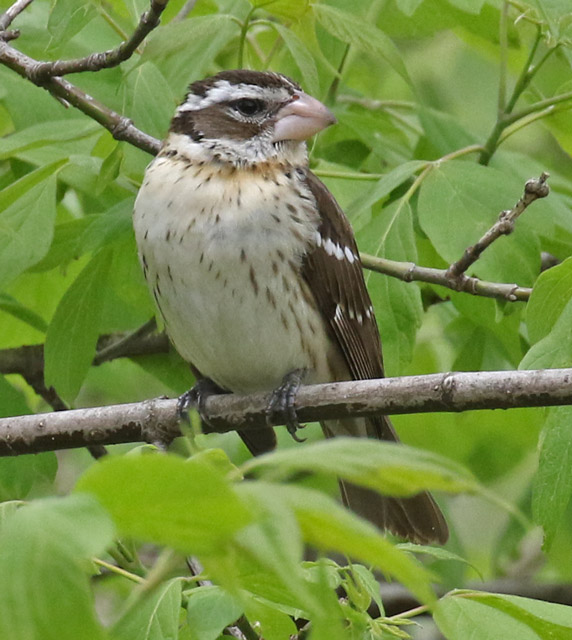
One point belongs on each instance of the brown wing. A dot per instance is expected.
(334, 273)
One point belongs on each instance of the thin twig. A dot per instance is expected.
(157, 420)
(105, 59)
(533, 190)
(410, 272)
(120, 127)
(12, 13)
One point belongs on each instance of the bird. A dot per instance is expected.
(255, 269)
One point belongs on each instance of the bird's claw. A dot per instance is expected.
(195, 398)
(283, 400)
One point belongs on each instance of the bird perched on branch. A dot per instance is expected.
(255, 269)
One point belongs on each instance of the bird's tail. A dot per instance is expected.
(417, 518)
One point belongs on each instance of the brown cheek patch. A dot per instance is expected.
(214, 122)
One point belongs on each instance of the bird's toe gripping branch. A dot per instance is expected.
(283, 400)
(196, 398)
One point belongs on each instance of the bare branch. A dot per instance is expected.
(533, 190)
(12, 13)
(105, 59)
(120, 127)
(157, 420)
(409, 272)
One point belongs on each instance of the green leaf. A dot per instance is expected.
(73, 332)
(381, 189)
(438, 553)
(390, 235)
(489, 616)
(10, 305)
(65, 245)
(210, 610)
(45, 133)
(287, 9)
(555, 349)
(44, 580)
(459, 201)
(167, 500)
(110, 168)
(175, 37)
(302, 57)
(551, 294)
(156, 617)
(20, 474)
(552, 486)
(387, 467)
(12, 401)
(69, 17)
(356, 31)
(26, 206)
(327, 526)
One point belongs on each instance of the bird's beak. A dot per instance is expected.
(301, 118)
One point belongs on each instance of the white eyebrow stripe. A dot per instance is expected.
(223, 91)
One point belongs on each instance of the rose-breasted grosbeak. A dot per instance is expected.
(254, 266)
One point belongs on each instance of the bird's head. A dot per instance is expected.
(246, 117)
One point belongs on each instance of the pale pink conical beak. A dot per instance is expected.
(301, 118)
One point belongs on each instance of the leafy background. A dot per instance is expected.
(414, 85)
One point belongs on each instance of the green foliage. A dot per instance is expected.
(427, 152)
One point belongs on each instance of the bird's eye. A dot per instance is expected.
(248, 106)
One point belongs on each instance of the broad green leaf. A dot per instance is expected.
(26, 206)
(18, 475)
(152, 99)
(8, 509)
(274, 624)
(45, 133)
(408, 6)
(382, 189)
(302, 57)
(438, 553)
(327, 526)
(356, 31)
(175, 37)
(555, 349)
(288, 9)
(69, 17)
(390, 235)
(210, 610)
(274, 542)
(389, 468)
(65, 245)
(444, 133)
(45, 592)
(489, 616)
(552, 486)
(459, 201)
(73, 332)
(110, 168)
(167, 500)
(114, 225)
(12, 401)
(551, 294)
(156, 617)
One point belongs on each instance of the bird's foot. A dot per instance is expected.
(196, 398)
(283, 400)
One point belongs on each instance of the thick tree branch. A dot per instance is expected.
(157, 421)
(533, 190)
